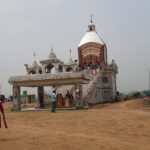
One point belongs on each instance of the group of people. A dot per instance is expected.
(91, 65)
(57, 100)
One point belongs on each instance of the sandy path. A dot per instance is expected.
(119, 126)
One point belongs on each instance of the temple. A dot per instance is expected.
(90, 80)
(91, 49)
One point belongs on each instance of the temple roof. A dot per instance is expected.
(52, 55)
(70, 61)
(51, 58)
(91, 35)
(49, 79)
(33, 66)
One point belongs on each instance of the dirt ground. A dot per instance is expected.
(117, 126)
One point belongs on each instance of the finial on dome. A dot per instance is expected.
(91, 19)
(52, 49)
(34, 56)
(34, 61)
(52, 55)
(91, 26)
(70, 61)
(70, 52)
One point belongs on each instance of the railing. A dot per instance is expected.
(91, 87)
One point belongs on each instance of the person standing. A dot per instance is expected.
(53, 99)
(67, 99)
(3, 115)
(59, 100)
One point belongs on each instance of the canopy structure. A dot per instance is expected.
(41, 80)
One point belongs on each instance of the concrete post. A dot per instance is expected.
(16, 98)
(41, 96)
(79, 95)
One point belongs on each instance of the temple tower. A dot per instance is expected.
(92, 55)
(91, 49)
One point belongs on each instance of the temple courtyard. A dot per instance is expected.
(118, 126)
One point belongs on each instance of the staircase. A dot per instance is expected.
(89, 90)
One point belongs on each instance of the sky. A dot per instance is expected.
(28, 26)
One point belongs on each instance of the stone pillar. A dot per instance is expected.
(56, 69)
(41, 96)
(16, 98)
(79, 95)
(43, 69)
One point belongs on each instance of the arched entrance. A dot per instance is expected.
(49, 68)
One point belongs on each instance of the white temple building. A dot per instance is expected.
(91, 80)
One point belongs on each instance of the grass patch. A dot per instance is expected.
(147, 104)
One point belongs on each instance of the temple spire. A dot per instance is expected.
(70, 61)
(52, 49)
(34, 61)
(34, 56)
(52, 55)
(70, 53)
(91, 26)
(91, 19)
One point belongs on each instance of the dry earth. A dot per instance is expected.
(118, 126)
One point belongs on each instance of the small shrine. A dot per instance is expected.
(52, 62)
